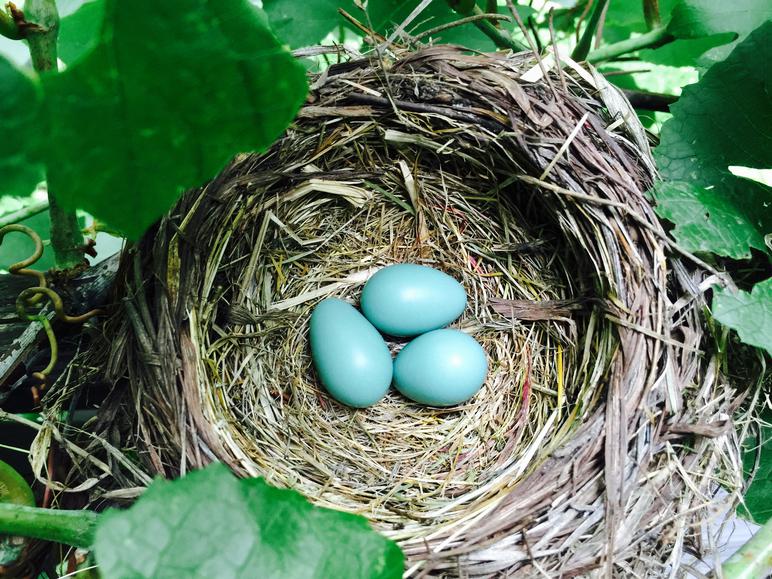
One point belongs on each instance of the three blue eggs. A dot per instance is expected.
(440, 367)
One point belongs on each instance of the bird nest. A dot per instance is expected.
(587, 445)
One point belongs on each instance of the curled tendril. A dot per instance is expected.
(33, 295)
(25, 297)
(20, 268)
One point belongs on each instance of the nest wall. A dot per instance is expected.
(584, 450)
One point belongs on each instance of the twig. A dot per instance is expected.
(582, 16)
(405, 23)
(653, 39)
(651, 14)
(585, 42)
(601, 24)
(497, 36)
(22, 214)
(361, 27)
(501, 40)
(460, 22)
(556, 53)
(650, 101)
(521, 24)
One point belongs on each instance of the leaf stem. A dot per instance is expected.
(585, 42)
(652, 39)
(754, 559)
(68, 527)
(22, 214)
(66, 237)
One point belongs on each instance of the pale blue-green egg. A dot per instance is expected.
(350, 356)
(441, 368)
(409, 299)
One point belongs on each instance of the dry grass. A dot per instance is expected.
(587, 447)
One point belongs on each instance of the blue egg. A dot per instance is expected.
(441, 368)
(409, 299)
(350, 356)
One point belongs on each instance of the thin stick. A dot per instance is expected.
(461, 22)
(405, 23)
(22, 214)
(520, 23)
(585, 42)
(564, 147)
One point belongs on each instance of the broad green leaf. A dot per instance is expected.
(162, 103)
(748, 313)
(79, 32)
(708, 219)
(725, 119)
(209, 524)
(686, 52)
(700, 18)
(20, 127)
(306, 23)
(758, 497)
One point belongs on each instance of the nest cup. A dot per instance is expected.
(528, 192)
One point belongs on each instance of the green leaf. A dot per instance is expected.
(701, 18)
(14, 490)
(79, 32)
(170, 92)
(209, 524)
(708, 219)
(306, 23)
(748, 313)
(698, 18)
(758, 497)
(725, 119)
(687, 52)
(20, 127)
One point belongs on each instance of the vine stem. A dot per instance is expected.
(22, 214)
(499, 38)
(653, 39)
(69, 527)
(66, 237)
(754, 559)
(585, 42)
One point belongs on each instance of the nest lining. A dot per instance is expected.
(522, 192)
(406, 465)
